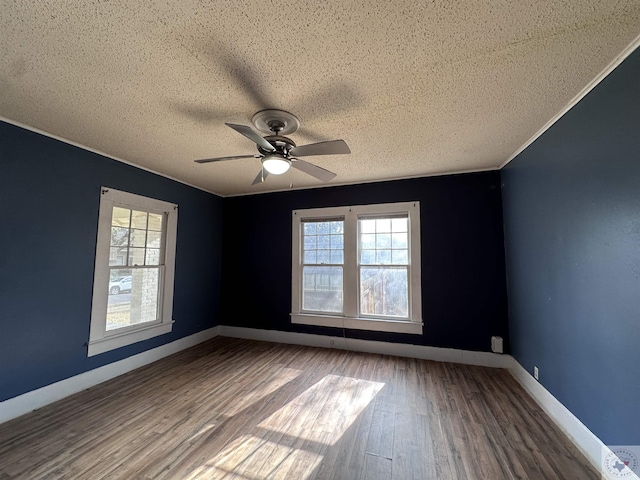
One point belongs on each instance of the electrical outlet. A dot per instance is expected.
(535, 373)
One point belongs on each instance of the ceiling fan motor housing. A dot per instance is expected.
(282, 145)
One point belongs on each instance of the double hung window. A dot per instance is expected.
(358, 267)
(133, 280)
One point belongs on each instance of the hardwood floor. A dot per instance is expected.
(249, 410)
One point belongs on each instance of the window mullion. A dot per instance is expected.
(351, 264)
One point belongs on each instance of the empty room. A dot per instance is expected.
(320, 240)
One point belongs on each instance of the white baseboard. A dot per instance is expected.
(27, 402)
(484, 359)
(584, 439)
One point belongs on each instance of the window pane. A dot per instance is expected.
(310, 242)
(323, 227)
(399, 240)
(152, 257)
(368, 240)
(337, 256)
(117, 256)
(139, 219)
(337, 242)
(119, 281)
(119, 236)
(383, 240)
(133, 297)
(154, 239)
(380, 248)
(136, 256)
(138, 238)
(120, 217)
(383, 257)
(324, 256)
(399, 225)
(399, 257)
(383, 225)
(323, 241)
(367, 226)
(118, 273)
(367, 257)
(322, 289)
(309, 228)
(155, 222)
(384, 292)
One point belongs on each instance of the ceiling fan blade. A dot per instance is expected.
(261, 177)
(219, 159)
(333, 147)
(252, 135)
(313, 170)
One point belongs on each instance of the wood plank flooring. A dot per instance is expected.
(238, 409)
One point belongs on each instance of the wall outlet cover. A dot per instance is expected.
(497, 345)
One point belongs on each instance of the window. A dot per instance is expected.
(358, 267)
(133, 279)
(322, 265)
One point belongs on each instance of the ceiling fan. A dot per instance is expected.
(277, 152)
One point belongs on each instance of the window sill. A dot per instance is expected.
(374, 324)
(117, 340)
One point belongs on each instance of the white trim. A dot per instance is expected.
(354, 323)
(143, 332)
(583, 93)
(467, 357)
(350, 317)
(98, 152)
(584, 439)
(27, 402)
(101, 340)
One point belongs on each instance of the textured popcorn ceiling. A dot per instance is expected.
(414, 87)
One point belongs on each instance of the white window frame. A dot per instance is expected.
(350, 317)
(100, 339)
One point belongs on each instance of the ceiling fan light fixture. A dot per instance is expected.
(276, 164)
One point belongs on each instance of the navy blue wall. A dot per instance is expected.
(49, 198)
(463, 284)
(572, 232)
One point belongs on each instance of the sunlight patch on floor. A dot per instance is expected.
(291, 442)
(256, 458)
(341, 400)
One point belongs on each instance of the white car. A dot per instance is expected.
(119, 285)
